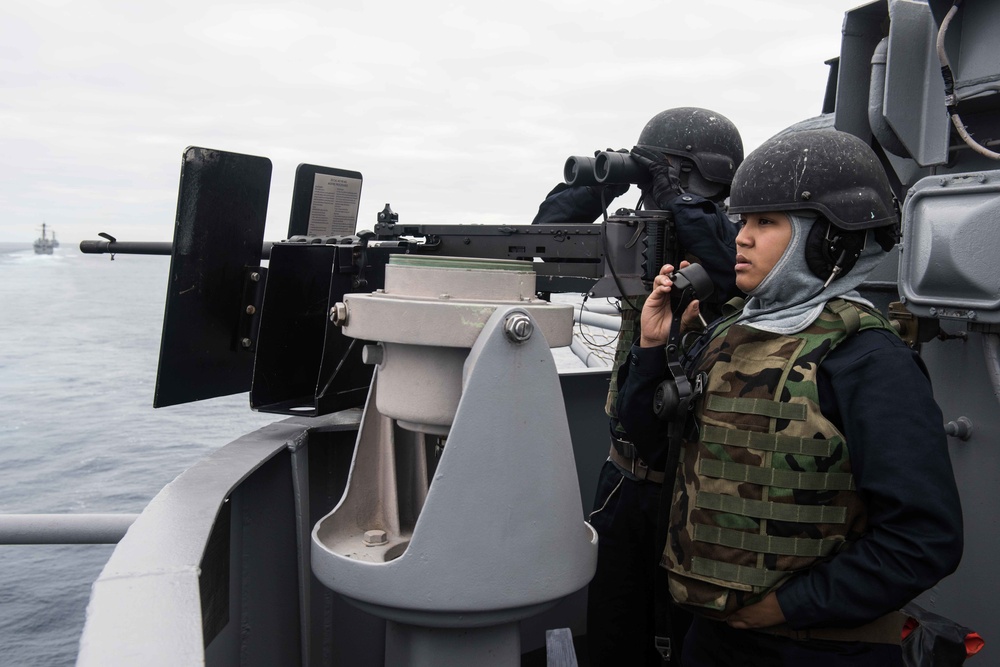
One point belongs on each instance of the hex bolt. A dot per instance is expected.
(375, 538)
(518, 328)
(255, 277)
(251, 310)
(246, 342)
(960, 428)
(338, 314)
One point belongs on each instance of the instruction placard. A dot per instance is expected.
(333, 210)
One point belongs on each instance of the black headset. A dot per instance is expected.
(831, 252)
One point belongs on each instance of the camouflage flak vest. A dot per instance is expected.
(767, 490)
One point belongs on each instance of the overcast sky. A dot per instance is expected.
(453, 111)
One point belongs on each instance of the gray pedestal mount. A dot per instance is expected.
(453, 555)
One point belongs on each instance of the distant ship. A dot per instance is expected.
(45, 245)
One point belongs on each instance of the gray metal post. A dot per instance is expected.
(64, 528)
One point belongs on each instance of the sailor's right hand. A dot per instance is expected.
(654, 325)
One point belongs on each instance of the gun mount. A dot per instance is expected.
(235, 323)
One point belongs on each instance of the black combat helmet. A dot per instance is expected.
(830, 172)
(707, 138)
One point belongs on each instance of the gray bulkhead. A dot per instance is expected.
(890, 91)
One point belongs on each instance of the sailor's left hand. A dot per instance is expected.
(764, 614)
(656, 318)
(691, 319)
(665, 177)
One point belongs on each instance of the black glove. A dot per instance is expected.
(666, 182)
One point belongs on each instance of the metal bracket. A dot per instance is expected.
(249, 316)
(912, 329)
(664, 648)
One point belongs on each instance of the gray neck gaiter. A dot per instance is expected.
(774, 305)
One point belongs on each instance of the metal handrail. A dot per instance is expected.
(64, 528)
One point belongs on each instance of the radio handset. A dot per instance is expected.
(673, 396)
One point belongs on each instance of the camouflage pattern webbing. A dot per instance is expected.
(628, 333)
(768, 490)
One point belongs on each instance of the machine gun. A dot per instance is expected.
(233, 324)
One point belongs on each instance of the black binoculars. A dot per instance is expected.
(605, 168)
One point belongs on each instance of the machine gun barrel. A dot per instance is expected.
(95, 247)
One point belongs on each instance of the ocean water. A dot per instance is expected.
(79, 340)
